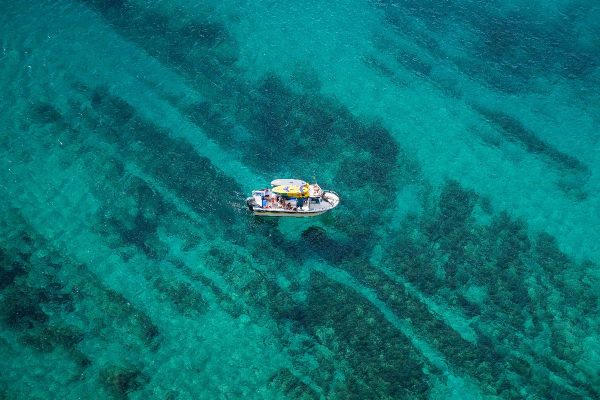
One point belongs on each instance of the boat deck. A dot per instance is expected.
(288, 206)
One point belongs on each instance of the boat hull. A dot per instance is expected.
(287, 213)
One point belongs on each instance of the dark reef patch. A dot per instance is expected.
(414, 260)
(383, 69)
(445, 252)
(511, 47)
(44, 113)
(120, 381)
(449, 225)
(514, 131)
(333, 251)
(509, 241)
(9, 270)
(117, 308)
(21, 308)
(173, 162)
(23, 305)
(474, 359)
(47, 338)
(292, 386)
(187, 45)
(48, 315)
(33, 311)
(183, 296)
(414, 63)
(314, 127)
(132, 219)
(383, 363)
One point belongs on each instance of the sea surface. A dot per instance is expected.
(462, 136)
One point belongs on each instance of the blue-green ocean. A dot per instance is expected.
(462, 136)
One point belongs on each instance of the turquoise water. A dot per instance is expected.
(462, 263)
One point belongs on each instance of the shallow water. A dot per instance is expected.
(462, 137)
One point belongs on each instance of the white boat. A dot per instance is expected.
(292, 198)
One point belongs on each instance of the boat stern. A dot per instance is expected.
(250, 203)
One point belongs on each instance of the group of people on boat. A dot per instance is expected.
(272, 200)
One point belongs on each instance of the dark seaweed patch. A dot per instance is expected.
(113, 5)
(573, 279)
(510, 240)
(455, 207)
(213, 121)
(333, 251)
(173, 162)
(478, 360)
(446, 251)
(119, 308)
(273, 123)
(513, 46)
(206, 32)
(139, 234)
(291, 386)
(396, 17)
(183, 296)
(549, 256)
(47, 338)
(383, 362)
(547, 46)
(9, 270)
(311, 127)
(44, 113)
(449, 228)
(414, 63)
(409, 59)
(189, 45)
(21, 308)
(415, 260)
(573, 186)
(514, 131)
(139, 229)
(379, 66)
(119, 381)
(67, 336)
(120, 112)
